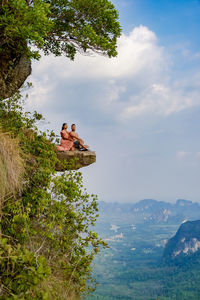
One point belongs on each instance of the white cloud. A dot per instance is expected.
(182, 155)
(135, 83)
(137, 52)
(159, 99)
(41, 90)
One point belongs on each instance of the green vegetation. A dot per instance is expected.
(58, 27)
(46, 245)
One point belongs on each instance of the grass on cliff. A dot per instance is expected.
(11, 165)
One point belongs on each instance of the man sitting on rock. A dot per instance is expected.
(78, 142)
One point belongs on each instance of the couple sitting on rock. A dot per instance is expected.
(71, 140)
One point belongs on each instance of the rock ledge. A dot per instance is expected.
(77, 159)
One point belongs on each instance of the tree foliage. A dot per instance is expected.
(46, 241)
(58, 27)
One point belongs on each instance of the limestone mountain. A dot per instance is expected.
(185, 243)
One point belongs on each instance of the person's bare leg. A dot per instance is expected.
(84, 146)
(72, 148)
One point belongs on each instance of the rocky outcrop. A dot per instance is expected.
(74, 160)
(185, 242)
(13, 72)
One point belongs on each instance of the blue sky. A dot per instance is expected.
(171, 20)
(139, 111)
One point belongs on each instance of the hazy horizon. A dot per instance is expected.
(139, 200)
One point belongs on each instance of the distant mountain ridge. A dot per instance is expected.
(151, 211)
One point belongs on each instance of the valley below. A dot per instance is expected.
(134, 266)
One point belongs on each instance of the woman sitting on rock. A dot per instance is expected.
(66, 143)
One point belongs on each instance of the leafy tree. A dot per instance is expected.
(58, 27)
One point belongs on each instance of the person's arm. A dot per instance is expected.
(73, 135)
(76, 137)
(64, 135)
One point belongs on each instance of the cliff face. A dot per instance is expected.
(14, 69)
(185, 242)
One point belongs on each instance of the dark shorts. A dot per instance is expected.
(77, 144)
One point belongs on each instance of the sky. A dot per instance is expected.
(139, 111)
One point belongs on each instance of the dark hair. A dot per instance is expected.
(63, 125)
(73, 125)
